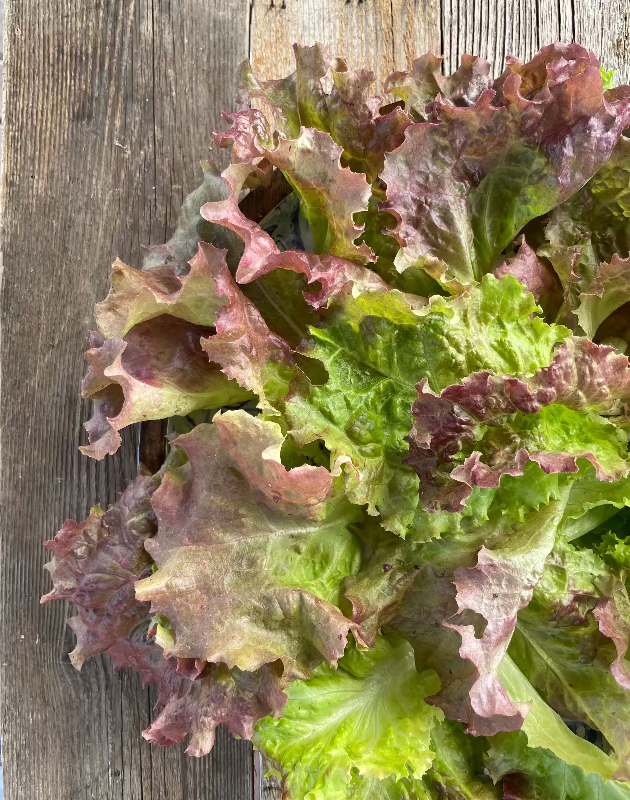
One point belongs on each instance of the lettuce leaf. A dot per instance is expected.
(158, 370)
(234, 511)
(536, 774)
(544, 728)
(588, 244)
(463, 184)
(561, 645)
(95, 565)
(375, 347)
(365, 721)
(424, 82)
(347, 111)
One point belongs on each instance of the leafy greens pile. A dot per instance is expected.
(399, 563)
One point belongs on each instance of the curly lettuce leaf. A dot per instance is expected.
(458, 769)
(591, 503)
(375, 347)
(158, 370)
(436, 595)
(420, 603)
(609, 291)
(536, 275)
(414, 599)
(95, 565)
(263, 256)
(562, 645)
(377, 235)
(365, 721)
(330, 194)
(535, 773)
(476, 432)
(347, 110)
(219, 696)
(247, 350)
(496, 588)
(424, 82)
(364, 731)
(610, 541)
(463, 184)
(250, 556)
(608, 77)
(138, 295)
(588, 242)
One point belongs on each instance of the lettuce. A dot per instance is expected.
(391, 543)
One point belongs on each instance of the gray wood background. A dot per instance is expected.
(110, 104)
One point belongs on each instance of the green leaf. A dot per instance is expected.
(609, 291)
(592, 502)
(347, 728)
(137, 295)
(608, 77)
(588, 242)
(376, 349)
(279, 297)
(556, 429)
(324, 94)
(501, 583)
(559, 648)
(377, 235)
(520, 188)
(535, 773)
(329, 194)
(544, 728)
(487, 427)
(614, 548)
(458, 768)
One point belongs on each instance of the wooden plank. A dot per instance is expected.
(380, 34)
(497, 28)
(604, 27)
(491, 29)
(417, 30)
(360, 32)
(110, 104)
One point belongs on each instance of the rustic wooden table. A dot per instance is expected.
(110, 104)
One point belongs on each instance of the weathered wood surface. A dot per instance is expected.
(109, 106)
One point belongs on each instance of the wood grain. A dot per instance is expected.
(604, 27)
(497, 28)
(417, 30)
(383, 35)
(109, 106)
(361, 32)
